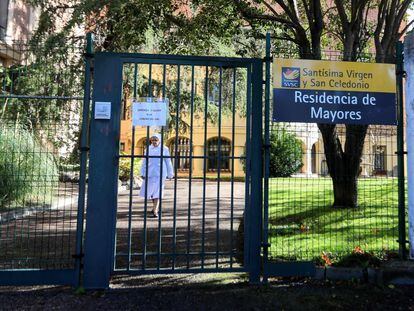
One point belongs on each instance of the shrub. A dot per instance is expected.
(27, 171)
(285, 153)
(125, 168)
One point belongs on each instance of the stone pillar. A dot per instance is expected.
(409, 105)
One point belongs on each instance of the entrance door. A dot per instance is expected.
(209, 212)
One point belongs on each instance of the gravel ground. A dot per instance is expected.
(211, 292)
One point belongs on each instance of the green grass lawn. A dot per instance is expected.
(303, 225)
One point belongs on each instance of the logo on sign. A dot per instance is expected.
(290, 77)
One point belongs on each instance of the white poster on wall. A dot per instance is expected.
(149, 112)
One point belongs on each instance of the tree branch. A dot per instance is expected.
(275, 18)
(342, 14)
(404, 30)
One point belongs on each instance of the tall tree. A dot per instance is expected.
(304, 25)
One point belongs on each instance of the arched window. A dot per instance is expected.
(380, 161)
(216, 146)
(183, 153)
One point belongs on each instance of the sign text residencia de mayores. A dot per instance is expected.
(334, 92)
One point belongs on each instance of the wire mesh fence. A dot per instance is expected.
(305, 222)
(40, 117)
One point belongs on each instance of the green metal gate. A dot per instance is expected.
(208, 218)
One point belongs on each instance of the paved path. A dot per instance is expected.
(183, 234)
(45, 239)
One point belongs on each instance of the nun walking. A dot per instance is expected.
(152, 176)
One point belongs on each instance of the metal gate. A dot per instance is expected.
(209, 216)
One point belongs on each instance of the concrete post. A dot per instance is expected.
(409, 103)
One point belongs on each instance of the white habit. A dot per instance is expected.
(152, 180)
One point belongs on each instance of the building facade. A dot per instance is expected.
(17, 23)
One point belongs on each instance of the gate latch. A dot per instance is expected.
(400, 152)
(78, 256)
(266, 244)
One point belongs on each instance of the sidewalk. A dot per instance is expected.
(212, 292)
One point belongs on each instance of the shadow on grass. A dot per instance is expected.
(302, 223)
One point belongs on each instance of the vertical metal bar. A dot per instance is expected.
(190, 167)
(131, 173)
(84, 147)
(203, 225)
(266, 155)
(218, 169)
(247, 164)
(177, 112)
(400, 147)
(255, 207)
(233, 132)
(144, 241)
(161, 180)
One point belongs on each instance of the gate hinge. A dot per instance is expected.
(78, 256)
(401, 72)
(267, 59)
(406, 241)
(400, 152)
(84, 148)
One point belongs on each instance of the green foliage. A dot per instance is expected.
(285, 153)
(125, 168)
(50, 70)
(80, 291)
(27, 170)
(180, 96)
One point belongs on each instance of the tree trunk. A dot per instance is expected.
(344, 165)
(345, 192)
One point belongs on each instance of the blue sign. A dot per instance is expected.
(334, 92)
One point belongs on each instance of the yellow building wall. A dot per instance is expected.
(199, 141)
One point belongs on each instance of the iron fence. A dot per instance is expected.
(301, 223)
(41, 90)
(41, 210)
